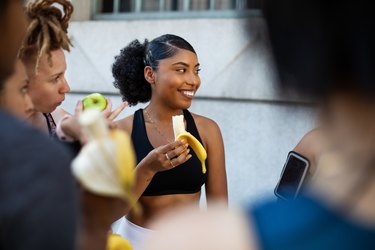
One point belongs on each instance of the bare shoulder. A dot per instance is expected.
(209, 130)
(126, 123)
(205, 124)
(310, 141)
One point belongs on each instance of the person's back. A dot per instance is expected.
(38, 207)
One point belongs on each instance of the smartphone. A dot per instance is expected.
(292, 176)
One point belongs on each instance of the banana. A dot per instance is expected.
(181, 133)
(116, 242)
(106, 164)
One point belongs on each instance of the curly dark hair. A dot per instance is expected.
(128, 68)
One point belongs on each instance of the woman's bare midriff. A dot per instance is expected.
(153, 206)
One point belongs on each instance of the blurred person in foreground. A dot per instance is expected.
(14, 96)
(325, 49)
(37, 206)
(38, 202)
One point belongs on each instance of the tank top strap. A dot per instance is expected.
(139, 136)
(51, 124)
(138, 123)
(190, 125)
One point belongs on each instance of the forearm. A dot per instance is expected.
(217, 194)
(92, 238)
(143, 176)
(71, 127)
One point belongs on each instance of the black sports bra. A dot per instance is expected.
(186, 178)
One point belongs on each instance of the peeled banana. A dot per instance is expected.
(181, 133)
(106, 164)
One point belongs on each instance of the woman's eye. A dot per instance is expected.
(56, 79)
(24, 89)
(181, 70)
(197, 71)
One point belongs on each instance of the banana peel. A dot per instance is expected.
(116, 242)
(181, 133)
(105, 165)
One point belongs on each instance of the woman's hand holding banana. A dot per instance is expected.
(180, 133)
(167, 157)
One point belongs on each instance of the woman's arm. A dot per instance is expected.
(69, 125)
(310, 146)
(216, 186)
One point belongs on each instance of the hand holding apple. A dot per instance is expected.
(94, 100)
(98, 101)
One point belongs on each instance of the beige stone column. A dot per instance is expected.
(82, 10)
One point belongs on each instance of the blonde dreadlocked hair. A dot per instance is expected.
(47, 30)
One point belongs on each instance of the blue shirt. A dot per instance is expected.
(305, 224)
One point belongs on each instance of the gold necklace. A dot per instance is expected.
(156, 127)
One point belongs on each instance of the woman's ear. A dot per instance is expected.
(149, 74)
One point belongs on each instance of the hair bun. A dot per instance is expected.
(50, 9)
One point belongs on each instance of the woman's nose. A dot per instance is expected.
(193, 80)
(29, 105)
(65, 87)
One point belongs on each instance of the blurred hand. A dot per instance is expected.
(111, 115)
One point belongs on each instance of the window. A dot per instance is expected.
(118, 9)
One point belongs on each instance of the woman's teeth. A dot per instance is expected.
(188, 93)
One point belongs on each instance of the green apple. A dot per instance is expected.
(94, 100)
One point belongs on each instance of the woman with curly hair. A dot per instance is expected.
(165, 73)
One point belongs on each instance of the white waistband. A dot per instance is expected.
(132, 232)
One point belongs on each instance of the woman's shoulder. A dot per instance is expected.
(125, 123)
(205, 123)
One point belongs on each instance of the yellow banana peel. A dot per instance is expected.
(181, 133)
(116, 242)
(106, 164)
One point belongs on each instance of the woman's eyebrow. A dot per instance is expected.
(185, 64)
(57, 74)
(182, 63)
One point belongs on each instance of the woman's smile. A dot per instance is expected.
(187, 93)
